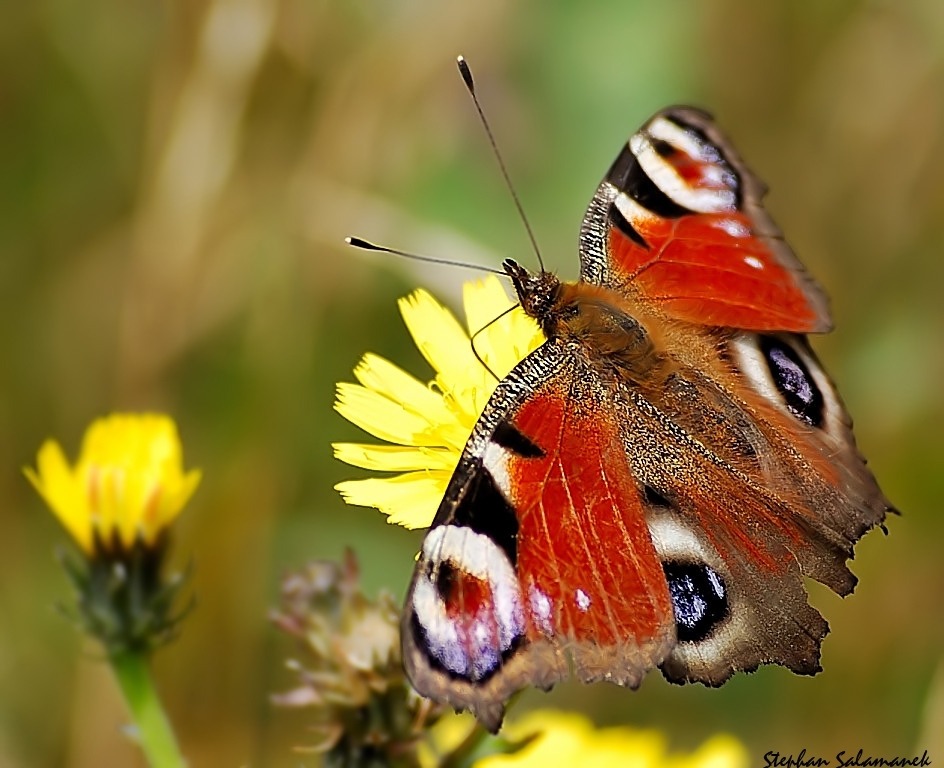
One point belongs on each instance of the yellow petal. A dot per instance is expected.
(427, 419)
(394, 458)
(618, 747)
(483, 301)
(720, 751)
(391, 381)
(429, 425)
(410, 499)
(442, 341)
(561, 741)
(169, 503)
(60, 489)
(570, 739)
(127, 485)
(503, 334)
(380, 416)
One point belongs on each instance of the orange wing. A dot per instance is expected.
(678, 222)
(539, 552)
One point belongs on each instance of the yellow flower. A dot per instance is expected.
(428, 425)
(566, 739)
(127, 486)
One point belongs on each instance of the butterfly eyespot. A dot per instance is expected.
(445, 579)
(793, 380)
(699, 599)
(466, 605)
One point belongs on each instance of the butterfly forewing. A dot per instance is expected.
(539, 557)
(678, 223)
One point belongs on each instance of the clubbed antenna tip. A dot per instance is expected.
(466, 73)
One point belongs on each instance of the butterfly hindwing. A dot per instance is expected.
(736, 526)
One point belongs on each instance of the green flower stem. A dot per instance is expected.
(154, 733)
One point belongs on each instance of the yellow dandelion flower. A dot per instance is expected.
(567, 739)
(127, 486)
(427, 425)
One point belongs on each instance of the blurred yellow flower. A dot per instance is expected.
(567, 739)
(428, 425)
(127, 486)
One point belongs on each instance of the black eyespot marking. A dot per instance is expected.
(663, 148)
(699, 597)
(793, 380)
(654, 498)
(646, 192)
(445, 579)
(508, 436)
(627, 175)
(485, 510)
(619, 221)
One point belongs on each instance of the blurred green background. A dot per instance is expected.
(175, 182)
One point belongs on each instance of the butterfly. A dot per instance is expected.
(651, 485)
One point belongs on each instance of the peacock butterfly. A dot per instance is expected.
(650, 486)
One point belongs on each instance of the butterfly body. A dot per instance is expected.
(648, 487)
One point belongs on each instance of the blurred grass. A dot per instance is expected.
(175, 183)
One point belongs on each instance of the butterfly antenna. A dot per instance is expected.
(470, 85)
(485, 327)
(366, 246)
